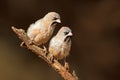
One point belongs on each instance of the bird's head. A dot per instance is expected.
(52, 17)
(65, 33)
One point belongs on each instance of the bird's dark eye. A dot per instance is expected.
(55, 18)
(66, 33)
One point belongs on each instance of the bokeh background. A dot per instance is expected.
(95, 53)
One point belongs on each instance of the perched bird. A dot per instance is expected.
(41, 31)
(60, 44)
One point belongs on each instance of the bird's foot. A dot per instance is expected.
(45, 50)
(50, 57)
(31, 42)
(66, 65)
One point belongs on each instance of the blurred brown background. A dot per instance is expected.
(95, 53)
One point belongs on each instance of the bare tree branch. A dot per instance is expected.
(42, 54)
